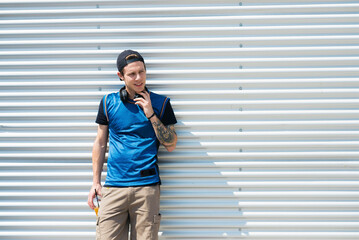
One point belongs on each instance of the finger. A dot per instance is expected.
(90, 198)
(142, 94)
(147, 95)
(90, 202)
(139, 103)
(138, 99)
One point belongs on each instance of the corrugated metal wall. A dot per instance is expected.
(266, 94)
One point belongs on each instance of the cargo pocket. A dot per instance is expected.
(155, 226)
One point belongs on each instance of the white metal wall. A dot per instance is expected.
(266, 94)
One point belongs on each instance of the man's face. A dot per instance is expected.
(134, 76)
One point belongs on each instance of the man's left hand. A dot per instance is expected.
(145, 103)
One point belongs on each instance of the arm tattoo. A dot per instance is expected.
(164, 134)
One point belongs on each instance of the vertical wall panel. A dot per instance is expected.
(266, 96)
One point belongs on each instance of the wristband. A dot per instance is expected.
(151, 116)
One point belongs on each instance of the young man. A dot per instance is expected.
(136, 121)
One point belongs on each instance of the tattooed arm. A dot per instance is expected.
(165, 134)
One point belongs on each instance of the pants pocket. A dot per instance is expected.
(156, 226)
(98, 235)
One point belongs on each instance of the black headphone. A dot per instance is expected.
(124, 94)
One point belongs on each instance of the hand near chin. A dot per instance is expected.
(145, 103)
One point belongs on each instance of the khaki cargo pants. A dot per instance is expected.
(131, 207)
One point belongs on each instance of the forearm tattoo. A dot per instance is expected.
(165, 135)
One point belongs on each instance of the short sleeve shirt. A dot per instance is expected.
(133, 145)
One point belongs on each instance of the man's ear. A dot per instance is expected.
(120, 76)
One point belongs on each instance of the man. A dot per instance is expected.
(136, 121)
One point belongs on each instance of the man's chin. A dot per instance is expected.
(139, 89)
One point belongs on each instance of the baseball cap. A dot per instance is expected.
(127, 57)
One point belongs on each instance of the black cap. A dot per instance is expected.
(127, 57)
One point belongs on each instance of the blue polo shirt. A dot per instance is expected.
(133, 145)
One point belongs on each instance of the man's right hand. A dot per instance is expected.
(91, 195)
